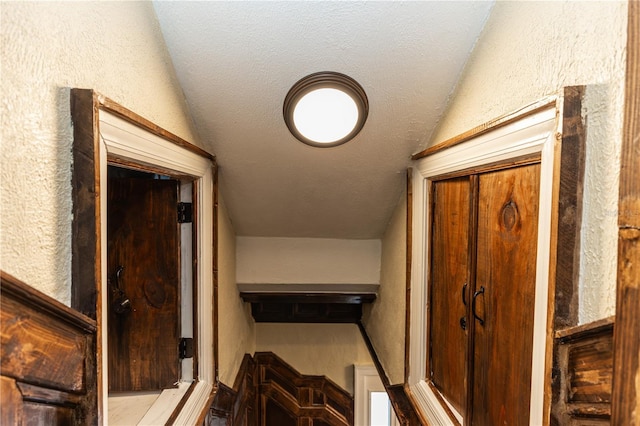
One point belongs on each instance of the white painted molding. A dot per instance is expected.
(530, 135)
(431, 407)
(121, 139)
(366, 380)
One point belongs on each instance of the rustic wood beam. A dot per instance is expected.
(626, 364)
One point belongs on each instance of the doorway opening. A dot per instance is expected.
(372, 406)
(107, 135)
(150, 288)
(380, 410)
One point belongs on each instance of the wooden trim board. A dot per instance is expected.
(626, 375)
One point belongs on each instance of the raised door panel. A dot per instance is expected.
(275, 414)
(504, 295)
(448, 288)
(143, 241)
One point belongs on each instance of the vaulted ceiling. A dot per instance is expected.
(236, 62)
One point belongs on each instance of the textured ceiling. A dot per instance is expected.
(236, 61)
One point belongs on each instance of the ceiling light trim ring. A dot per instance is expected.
(321, 80)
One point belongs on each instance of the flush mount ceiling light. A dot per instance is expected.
(325, 109)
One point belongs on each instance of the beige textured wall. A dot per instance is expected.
(532, 49)
(236, 328)
(317, 349)
(117, 49)
(46, 48)
(384, 319)
(271, 260)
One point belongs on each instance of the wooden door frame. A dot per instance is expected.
(562, 158)
(531, 132)
(107, 133)
(625, 406)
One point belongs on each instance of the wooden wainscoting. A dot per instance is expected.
(48, 360)
(583, 369)
(269, 392)
(237, 405)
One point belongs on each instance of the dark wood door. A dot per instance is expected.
(504, 295)
(143, 242)
(449, 285)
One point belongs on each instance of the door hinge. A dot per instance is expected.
(185, 212)
(185, 348)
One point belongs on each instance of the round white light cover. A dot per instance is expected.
(325, 115)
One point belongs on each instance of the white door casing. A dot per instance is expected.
(534, 134)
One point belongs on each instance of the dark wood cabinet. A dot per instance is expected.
(482, 290)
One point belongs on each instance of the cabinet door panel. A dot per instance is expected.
(449, 273)
(143, 238)
(506, 268)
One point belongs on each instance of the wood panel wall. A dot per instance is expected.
(584, 373)
(48, 360)
(268, 391)
(237, 405)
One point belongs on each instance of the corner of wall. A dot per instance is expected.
(236, 328)
(384, 319)
(529, 50)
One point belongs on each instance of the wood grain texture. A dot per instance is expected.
(33, 344)
(626, 376)
(143, 239)
(572, 166)
(567, 197)
(449, 289)
(86, 250)
(11, 411)
(583, 362)
(48, 362)
(85, 183)
(626, 393)
(591, 369)
(506, 247)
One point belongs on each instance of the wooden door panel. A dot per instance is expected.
(506, 268)
(143, 239)
(449, 274)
